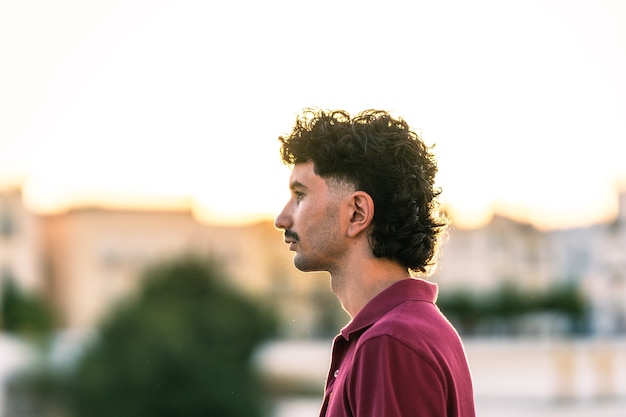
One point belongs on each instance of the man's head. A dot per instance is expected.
(381, 156)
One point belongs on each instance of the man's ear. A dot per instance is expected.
(362, 213)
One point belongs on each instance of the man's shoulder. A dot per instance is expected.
(415, 323)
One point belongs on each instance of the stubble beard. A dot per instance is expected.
(321, 256)
(323, 245)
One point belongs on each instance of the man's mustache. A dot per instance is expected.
(291, 235)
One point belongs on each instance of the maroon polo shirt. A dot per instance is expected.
(399, 357)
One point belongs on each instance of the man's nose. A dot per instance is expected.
(283, 220)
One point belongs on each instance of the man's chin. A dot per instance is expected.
(300, 263)
(305, 266)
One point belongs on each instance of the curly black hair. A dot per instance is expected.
(383, 157)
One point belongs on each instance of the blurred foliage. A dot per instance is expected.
(24, 314)
(331, 315)
(507, 303)
(182, 347)
(36, 392)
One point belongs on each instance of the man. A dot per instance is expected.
(363, 207)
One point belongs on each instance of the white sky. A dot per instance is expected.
(149, 99)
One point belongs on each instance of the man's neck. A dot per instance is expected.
(356, 287)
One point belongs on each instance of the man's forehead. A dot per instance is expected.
(303, 175)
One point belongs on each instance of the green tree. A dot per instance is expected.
(181, 348)
(23, 314)
(509, 302)
(461, 308)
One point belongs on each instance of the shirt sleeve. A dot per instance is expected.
(390, 379)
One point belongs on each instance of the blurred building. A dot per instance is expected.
(503, 250)
(597, 255)
(86, 260)
(591, 258)
(20, 242)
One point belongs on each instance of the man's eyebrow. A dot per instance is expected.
(296, 184)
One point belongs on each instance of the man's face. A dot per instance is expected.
(311, 220)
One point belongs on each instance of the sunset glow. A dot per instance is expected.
(167, 104)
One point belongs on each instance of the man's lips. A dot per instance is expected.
(291, 238)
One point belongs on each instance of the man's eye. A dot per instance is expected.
(298, 194)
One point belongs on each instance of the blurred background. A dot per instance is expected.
(140, 272)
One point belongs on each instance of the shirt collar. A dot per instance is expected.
(408, 289)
